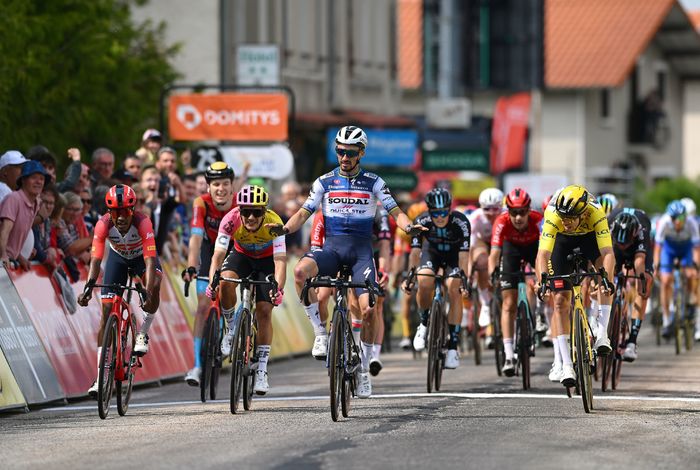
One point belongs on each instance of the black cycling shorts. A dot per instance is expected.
(431, 259)
(244, 265)
(564, 246)
(511, 257)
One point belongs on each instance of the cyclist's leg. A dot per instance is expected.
(454, 316)
(202, 302)
(361, 258)
(561, 319)
(319, 262)
(510, 263)
(424, 296)
(263, 314)
(479, 254)
(666, 274)
(640, 305)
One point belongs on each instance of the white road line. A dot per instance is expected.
(538, 396)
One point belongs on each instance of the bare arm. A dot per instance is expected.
(195, 247)
(296, 221)
(79, 246)
(494, 258)
(280, 261)
(5, 229)
(217, 259)
(464, 262)
(542, 264)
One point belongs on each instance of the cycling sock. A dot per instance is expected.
(356, 330)
(564, 349)
(198, 352)
(465, 318)
(557, 353)
(263, 353)
(484, 296)
(376, 350)
(424, 317)
(603, 321)
(228, 315)
(454, 336)
(315, 318)
(508, 348)
(636, 325)
(594, 309)
(147, 320)
(406, 327)
(366, 355)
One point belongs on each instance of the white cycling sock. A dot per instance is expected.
(484, 296)
(147, 320)
(508, 347)
(263, 352)
(603, 320)
(594, 310)
(356, 330)
(315, 318)
(557, 353)
(376, 350)
(564, 350)
(366, 355)
(228, 315)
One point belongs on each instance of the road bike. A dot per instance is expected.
(618, 327)
(211, 357)
(343, 358)
(496, 331)
(245, 339)
(472, 333)
(683, 325)
(118, 360)
(584, 359)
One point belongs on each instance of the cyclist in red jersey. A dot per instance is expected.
(207, 212)
(514, 239)
(133, 245)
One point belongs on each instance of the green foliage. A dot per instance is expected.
(79, 73)
(655, 199)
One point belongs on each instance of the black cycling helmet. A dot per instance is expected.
(218, 171)
(438, 198)
(625, 228)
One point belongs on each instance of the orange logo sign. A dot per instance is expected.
(229, 116)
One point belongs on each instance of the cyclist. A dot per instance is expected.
(348, 197)
(575, 220)
(444, 244)
(207, 212)
(515, 237)
(630, 229)
(132, 241)
(481, 220)
(676, 238)
(255, 250)
(691, 210)
(608, 202)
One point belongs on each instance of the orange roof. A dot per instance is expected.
(695, 18)
(595, 43)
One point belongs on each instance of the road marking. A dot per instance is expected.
(538, 396)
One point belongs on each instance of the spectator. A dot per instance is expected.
(10, 169)
(72, 236)
(291, 190)
(141, 199)
(90, 216)
(18, 211)
(160, 203)
(201, 184)
(44, 156)
(151, 141)
(166, 163)
(122, 176)
(44, 251)
(132, 164)
(102, 165)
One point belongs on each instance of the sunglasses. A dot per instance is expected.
(680, 218)
(254, 212)
(517, 212)
(491, 209)
(87, 201)
(347, 152)
(441, 213)
(124, 212)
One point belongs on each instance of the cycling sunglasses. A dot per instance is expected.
(440, 213)
(679, 217)
(123, 212)
(347, 152)
(517, 212)
(245, 213)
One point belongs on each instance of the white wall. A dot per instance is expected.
(563, 134)
(691, 128)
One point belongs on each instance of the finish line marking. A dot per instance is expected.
(398, 395)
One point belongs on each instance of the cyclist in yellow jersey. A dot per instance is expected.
(574, 220)
(255, 250)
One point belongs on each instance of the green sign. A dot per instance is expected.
(398, 180)
(456, 160)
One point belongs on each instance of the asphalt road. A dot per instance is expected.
(478, 420)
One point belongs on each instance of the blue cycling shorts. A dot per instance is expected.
(671, 251)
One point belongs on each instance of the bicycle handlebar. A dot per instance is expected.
(247, 282)
(338, 283)
(138, 288)
(577, 276)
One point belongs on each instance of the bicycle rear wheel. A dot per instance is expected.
(497, 335)
(442, 344)
(583, 363)
(209, 347)
(614, 336)
(218, 361)
(524, 335)
(250, 363)
(678, 317)
(108, 361)
(237, 363)
(335, 363)
(128, 341)
(434, 342)
(617, 364)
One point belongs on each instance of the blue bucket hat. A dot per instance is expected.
(32, 167)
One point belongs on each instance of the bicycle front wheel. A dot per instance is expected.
(614, 336)
(237, 363)
(348, 378)
(108, 361)
(617, 364)
(583, 363)
(335, 363)
(250, 362)
(128, 341)
(524, 334)
(209, 346)
(498, 348)
(475, 331)
(434, 345)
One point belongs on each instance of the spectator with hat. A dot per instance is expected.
(10, 169)
(18, 211)
(151, 142)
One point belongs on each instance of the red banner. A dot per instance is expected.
(509, 132)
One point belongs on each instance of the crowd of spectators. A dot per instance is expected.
(47, 221)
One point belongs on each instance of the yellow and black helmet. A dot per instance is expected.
(219, 171)
(571, 201)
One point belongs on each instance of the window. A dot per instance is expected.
(605, 103)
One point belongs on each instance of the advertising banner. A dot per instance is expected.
(385, 147)
(22, 348)
(246, 117)
(10, 394)
(509, 132)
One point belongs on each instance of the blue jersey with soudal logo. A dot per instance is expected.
(349, 203)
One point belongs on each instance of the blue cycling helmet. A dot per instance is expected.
(675, 209)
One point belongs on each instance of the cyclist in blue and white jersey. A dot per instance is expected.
(691, 209)
(348, 198)
(677, 237)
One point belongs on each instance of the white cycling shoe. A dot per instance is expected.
(568, 375)
(141, 347)
(485, 316)
(261, 386)
(193, 376)
(364, 385)
(419, 339)
(555, 372)
(320, 349)
(452, 359)
(92, 391)
(630, 353)
(405, 343)
(227, 343)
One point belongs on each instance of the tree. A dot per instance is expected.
(655, 199)
(79, 73)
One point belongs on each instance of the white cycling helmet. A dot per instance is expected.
(351, 135)
(690, 207)
(491, 197)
